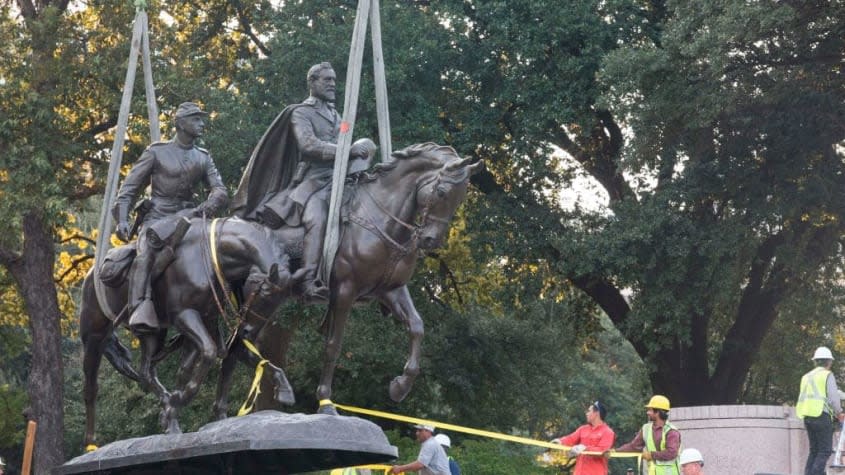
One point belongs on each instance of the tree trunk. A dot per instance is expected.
(33, 274)
(33, 268)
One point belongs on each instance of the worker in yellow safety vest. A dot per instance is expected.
(818, 404)
(659, 440)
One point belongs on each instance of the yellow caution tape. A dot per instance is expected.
(384, 468)
(470, 430)
(255, 390)
(551, 458)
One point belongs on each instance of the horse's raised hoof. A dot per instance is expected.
(400, 387)
(284, 393)
(327, 409)
(175, 399)
(167, 419)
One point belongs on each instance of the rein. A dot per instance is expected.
(414, 228)
(400, 250)
(210, 241)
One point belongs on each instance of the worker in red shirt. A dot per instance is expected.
(594, 436)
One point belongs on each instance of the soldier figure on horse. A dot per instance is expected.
(288, 178)
(172, 169)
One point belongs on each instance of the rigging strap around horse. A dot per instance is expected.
(215, 262)
(210, 246)
(255, 389)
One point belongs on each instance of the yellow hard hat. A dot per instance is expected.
(658, 402)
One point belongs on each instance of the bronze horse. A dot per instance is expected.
(396, 210)
(185, 297)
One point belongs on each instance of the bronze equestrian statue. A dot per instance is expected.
(189, 298)
(390, 215)
(180, 296)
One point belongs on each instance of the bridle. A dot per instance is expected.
(233, 317)
(424, 215)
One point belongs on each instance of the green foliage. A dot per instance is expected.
(12, 425)
(724, 194)
(497, 458)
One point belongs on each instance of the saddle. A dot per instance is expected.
(115, 267)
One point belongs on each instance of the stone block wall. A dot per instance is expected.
(744, 439)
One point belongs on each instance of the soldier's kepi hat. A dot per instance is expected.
(186, 109)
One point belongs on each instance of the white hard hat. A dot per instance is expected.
(443, 440)
(822, 353)
(690, 456)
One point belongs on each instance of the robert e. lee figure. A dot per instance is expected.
(288, 178)
(173, 169)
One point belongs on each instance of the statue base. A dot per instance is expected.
(266, 442)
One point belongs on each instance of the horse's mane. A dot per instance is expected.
(442, 152)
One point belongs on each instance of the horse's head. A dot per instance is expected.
(420, 189)
(277, 281)
(439, 195)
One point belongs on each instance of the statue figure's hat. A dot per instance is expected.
(187, 109)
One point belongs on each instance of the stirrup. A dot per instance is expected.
(143, 317)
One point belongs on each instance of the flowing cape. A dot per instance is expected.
(270, 169)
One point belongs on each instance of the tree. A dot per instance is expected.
(712, 128)
(60, 93)
(33, 161)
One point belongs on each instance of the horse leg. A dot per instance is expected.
(337, 313)
(92, 356)
(220, 409)
(400, 304)
(195, 365)
(283, 392)
(150, 343)
(186, 365)
(120, 357)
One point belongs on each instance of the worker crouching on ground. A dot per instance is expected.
(692, 462)
(818, 404)
(594, 436)
(659, 440)
(446, 443)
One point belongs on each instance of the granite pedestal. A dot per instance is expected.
(267, 442)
